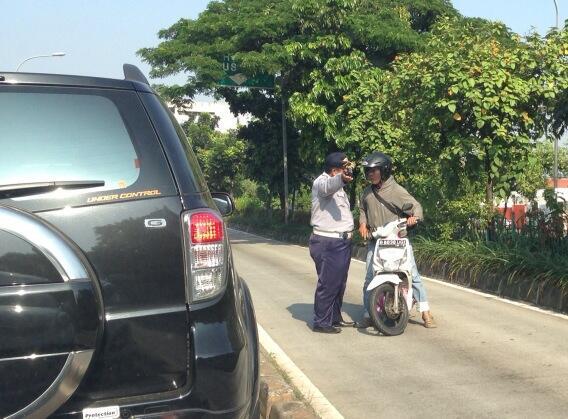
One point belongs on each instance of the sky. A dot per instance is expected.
(99, 36)
(519, 15)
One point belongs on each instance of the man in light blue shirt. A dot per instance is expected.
(330, 243)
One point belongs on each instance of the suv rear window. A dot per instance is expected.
(58, 137)
(64, 133)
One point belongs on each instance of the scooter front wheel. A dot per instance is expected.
(386, 319)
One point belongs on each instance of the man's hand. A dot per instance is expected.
(364, 231)
(410, 221)
(346, 178)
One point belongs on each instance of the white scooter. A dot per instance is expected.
(390, 298)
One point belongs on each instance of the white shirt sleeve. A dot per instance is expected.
(327, 186)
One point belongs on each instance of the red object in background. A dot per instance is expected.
(562, 182)
(517, 213)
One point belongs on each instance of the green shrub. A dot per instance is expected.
(247, 204)
(477, 258)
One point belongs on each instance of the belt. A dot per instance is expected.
(335, 234)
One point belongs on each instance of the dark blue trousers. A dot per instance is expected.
(332, 258)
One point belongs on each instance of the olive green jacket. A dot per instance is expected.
(375, 214)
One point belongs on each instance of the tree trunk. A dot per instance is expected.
(505, 211)
(282, 202)
(490, 235)
(268, 202)
(293, 209)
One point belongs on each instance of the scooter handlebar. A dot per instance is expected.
(387, 229)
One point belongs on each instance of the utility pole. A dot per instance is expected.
(555, 170)
(284, 147)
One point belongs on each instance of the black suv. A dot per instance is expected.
(118, 294)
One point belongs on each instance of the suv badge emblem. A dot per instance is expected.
(154, 223)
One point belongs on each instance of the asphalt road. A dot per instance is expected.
(486, 359)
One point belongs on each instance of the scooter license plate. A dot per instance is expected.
(391, 243)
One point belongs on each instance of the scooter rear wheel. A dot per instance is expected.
(382, 310)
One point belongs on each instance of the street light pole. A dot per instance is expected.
(54, 54)
(555, 169)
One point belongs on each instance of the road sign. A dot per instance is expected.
(235, 78)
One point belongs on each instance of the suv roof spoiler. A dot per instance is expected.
(133, 73)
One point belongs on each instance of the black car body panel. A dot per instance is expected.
(153, 352)
(64, 80)
(188, 176)
(139, 271)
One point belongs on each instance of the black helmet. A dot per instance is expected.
(380, 160)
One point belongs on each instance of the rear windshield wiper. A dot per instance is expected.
(32, 188)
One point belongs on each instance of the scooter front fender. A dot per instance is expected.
(381, 279)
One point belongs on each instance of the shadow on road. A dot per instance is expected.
(305, 312)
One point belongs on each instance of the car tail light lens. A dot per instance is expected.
(205, 255)
(206, 227)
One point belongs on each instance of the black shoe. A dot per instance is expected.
(364, 323)
(326, 329)
(343, 323)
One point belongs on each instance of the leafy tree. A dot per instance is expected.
(263, 137)
(463, 116)
(199, 129)
(467, 103)
(221, 155)
(541, 168)
(552, 54)
(315, 45)
(339, 39)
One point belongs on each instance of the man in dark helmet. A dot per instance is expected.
(330, 243)
(381, 203)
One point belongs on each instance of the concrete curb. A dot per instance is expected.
(295, 410)
(309, 392)
(277, 398)
(538, 294)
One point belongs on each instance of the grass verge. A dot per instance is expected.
(513, 262)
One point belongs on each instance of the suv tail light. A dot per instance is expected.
(205, 255)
